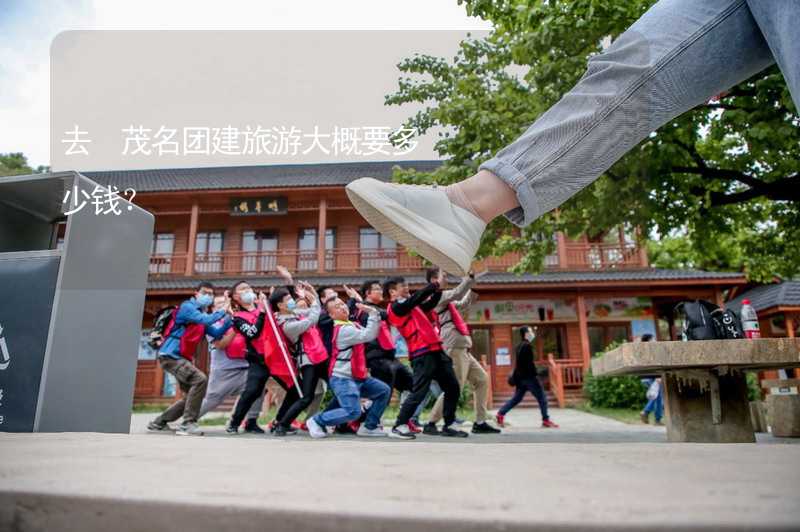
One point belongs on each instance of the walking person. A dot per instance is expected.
(408, 313)
(679, 54)
(457, 343)
(654, 394)
(524, 378)
(228, 373)
(183, 334)
(348, 376)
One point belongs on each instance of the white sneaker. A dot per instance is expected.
(314, 429)
(421, 218)
(376, 432)
(189, 429)
(402, 432)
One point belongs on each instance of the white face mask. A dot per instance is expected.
(248, 297)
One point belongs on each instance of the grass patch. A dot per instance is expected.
(626, 415)
(148, 408)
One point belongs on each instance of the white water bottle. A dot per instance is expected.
(749, 320)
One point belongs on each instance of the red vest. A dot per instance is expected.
(358, 358)
(418, 332)
(313, 345)
(458, 322)
(385, 338)
(192, 336)
(238, 346)
(267, 344)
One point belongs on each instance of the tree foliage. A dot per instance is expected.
(17, 164)
(715, 188)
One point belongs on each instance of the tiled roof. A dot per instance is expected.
(785, 294)
(644, 275)
(267, 176)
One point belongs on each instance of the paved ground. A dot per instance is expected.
(593, 473)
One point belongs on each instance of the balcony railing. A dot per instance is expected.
(579, 256)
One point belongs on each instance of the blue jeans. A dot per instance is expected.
(655, 405)
(347, 406)
(679, 54)
(527, 385)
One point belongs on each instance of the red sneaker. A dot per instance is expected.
(413, 427)
(547, 424)
(500, 418)
(297, 425)
(354, 425)
(303, 426)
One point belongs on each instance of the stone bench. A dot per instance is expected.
(783, 410)
(705, 390)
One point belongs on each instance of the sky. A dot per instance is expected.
(27, 29)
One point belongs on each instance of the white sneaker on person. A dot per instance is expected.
(421, 218)
(189, 429)
(376, 432)
(402, 432)
(315, 430)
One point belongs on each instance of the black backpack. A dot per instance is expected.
(162, 320)
(703, 320)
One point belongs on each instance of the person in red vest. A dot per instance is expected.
(348, 376)
(191, 322)
(408, 313)
(263, 348)
(381, 352)
(457, 342)
(299, 327)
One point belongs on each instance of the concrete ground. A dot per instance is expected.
(593, 473)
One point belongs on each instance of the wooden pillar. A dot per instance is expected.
(644, 261)
(789, 321)
(192, 239)
(583, 330)
(561, 242)
(323, 215)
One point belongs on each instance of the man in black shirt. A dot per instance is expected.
(525, 379)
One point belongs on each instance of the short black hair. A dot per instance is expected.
(204, 284)
(321, 291)
(326, 303)
(647, 337)
(391, 283)
(431, 272)
(276, 297)
(367, 285)
(523, 331)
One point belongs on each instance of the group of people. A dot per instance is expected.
(307, 339)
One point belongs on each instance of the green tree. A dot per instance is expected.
(724, 176)
(17, 164)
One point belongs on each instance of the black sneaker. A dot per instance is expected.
(279, 431)
(231, 429)
(401, 432)
(430, 429)
(453, 433)
(484, 428)
(252, 427)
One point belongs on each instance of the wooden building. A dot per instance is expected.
(231, 223)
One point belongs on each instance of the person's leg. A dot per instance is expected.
(461, 368)
(347, 398)
(308, 384)
(423, 368)
(221, 384)
(679, 54)
(659, 408)
(291, 397)
(479, 380)
(446, 377)
(403, 380)
(319, 395)
(257, 376)
(175, 410)
(379, 392)
(519, 393)
(777, 20)
(198, 382)
(536, 389)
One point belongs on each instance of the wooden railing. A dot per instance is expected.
(579, 256)
(565, 374)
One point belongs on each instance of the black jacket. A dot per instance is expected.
(524, 368)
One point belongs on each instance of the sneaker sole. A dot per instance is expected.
(396, 225)
(403, 437)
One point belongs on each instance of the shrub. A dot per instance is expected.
(614, 392)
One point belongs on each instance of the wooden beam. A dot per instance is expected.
(583, 330)
(190, 251)
(323, 211)
(561, 242)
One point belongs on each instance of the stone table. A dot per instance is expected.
(705, 390)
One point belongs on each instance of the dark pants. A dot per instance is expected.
(435, 365)
(527, 385)
(392, 372)
(293, 404)
(192, 382)
(257, 376)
